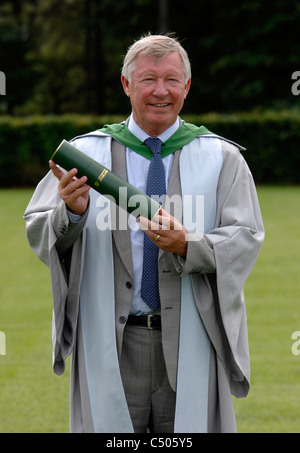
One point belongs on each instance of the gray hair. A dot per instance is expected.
(158, 46)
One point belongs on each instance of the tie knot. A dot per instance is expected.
(154, 144)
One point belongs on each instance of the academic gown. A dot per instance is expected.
(228, 252)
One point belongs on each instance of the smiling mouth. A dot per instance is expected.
(161, 105)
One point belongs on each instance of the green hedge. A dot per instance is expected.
(272, 140)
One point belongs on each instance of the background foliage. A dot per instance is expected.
(271, 140)
(62, 64)
(62, 57)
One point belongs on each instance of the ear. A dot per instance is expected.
(187, 87)
(125, 84)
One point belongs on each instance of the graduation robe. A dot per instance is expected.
(217, 266)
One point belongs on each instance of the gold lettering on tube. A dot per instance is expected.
(102, 175)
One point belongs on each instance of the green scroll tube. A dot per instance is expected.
(105, 181)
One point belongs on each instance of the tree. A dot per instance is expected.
(69, 54)
(243, 55)
(15, 46)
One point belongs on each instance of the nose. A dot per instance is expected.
(160, 88)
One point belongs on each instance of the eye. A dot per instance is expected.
(173, 80)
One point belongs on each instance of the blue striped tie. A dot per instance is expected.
(156, 186)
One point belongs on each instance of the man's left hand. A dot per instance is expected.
(166, 232)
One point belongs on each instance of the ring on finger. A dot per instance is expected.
(157, 237)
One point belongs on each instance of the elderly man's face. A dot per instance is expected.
(157, 92)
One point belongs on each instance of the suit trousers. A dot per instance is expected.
(150, 398)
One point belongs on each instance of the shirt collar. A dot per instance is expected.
(142, 135)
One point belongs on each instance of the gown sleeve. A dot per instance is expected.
(59, 244)
(220, 262)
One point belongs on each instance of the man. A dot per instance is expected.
(165, 358)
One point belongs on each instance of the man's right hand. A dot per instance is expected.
(73, 191)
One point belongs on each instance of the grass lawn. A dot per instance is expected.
(33, 399)
(273, 309)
